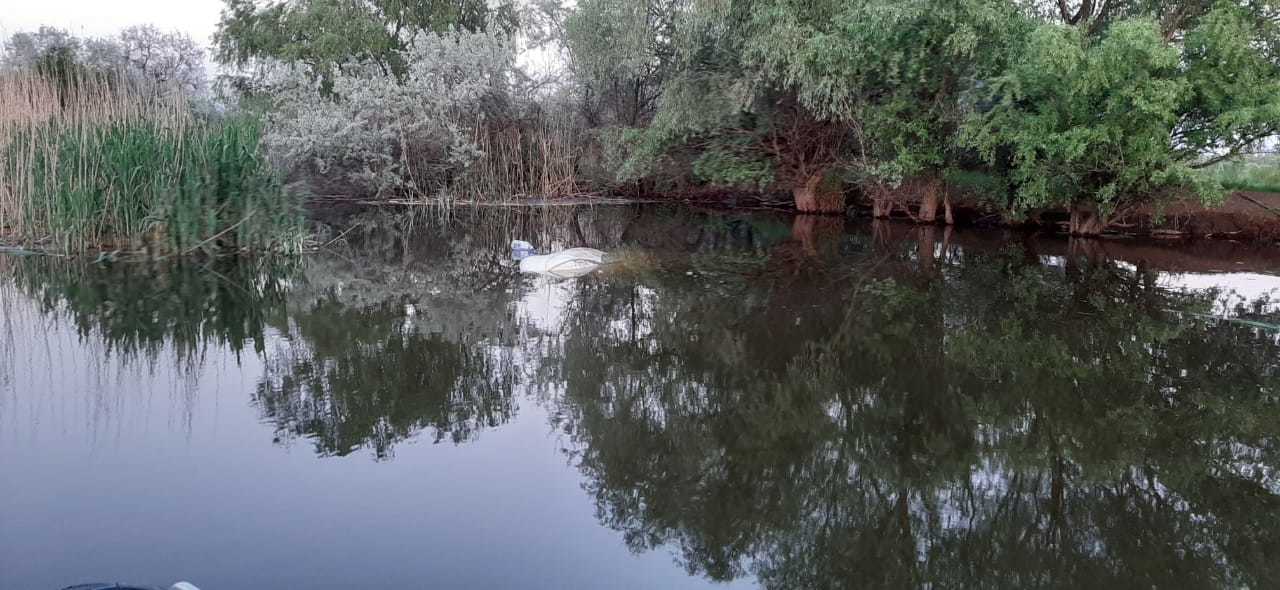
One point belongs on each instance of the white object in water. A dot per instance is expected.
(183, 586)
(521, 249)
(573, 262)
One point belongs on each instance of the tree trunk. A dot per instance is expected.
(819, 194)
(1086, 221)
(946, 204)
(816, 232)
(881, 207)
(926, 247)
(881, 233)
(881, 201)
(929, 189)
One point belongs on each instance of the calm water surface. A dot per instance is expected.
(742, 400)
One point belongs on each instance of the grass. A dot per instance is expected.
(1256, 173)
(91, 162)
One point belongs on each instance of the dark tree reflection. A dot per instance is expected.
(781, 399)
(382, 385)
(909, 423)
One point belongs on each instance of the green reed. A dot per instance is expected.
(140, 173)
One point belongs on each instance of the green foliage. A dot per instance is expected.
(1233, 98)
(727, 163)
(1253, 174)
(1103, 105)
(620, 51)
(869, 87)
(895, 70)
(322, 35)
(1088, 120)
(207, 186)
(988, 188)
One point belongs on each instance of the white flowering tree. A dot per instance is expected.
(390, 135)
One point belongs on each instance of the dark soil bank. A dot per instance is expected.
(1244, 216)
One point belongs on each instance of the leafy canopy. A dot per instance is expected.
(324, 34)
(876, 79)
(1124, 115)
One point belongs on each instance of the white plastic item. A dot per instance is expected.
(183, 586)
(573, 262)
(521, 249)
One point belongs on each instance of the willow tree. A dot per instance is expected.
(619, 53)
(809, 95)
(895, 73)
(321, 35)
(1110, 107)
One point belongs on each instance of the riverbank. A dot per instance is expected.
(1247, 223)
(1243, 216)
(1250, 216)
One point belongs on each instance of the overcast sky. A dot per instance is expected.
(198, 18)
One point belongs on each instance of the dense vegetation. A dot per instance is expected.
(102, 164)
(105, 145)
(1024, 108)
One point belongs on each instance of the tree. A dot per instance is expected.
(321, 35)
(161, 58)
(142, 52)
(1101, 116)
(55, 53)
(894, 73)
(412, 134)
(813, 93)
(620, 52)
(746, 123)
(26, 49)
(1174, 17)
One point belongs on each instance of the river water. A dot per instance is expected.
(738, 400)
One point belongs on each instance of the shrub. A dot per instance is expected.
(446, 126)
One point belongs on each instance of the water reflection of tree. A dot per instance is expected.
(824, 410)
(990, 424)
(403, 324)
(365, 379)
(397, 332)
(137, 309)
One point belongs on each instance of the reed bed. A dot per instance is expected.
(99, 162)
(537, 159)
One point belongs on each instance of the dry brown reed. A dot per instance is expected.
(533, 159)
(91, 160)
(37, 110)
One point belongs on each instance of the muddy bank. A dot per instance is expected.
(1244, 216)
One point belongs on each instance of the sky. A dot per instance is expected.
(198, 18)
